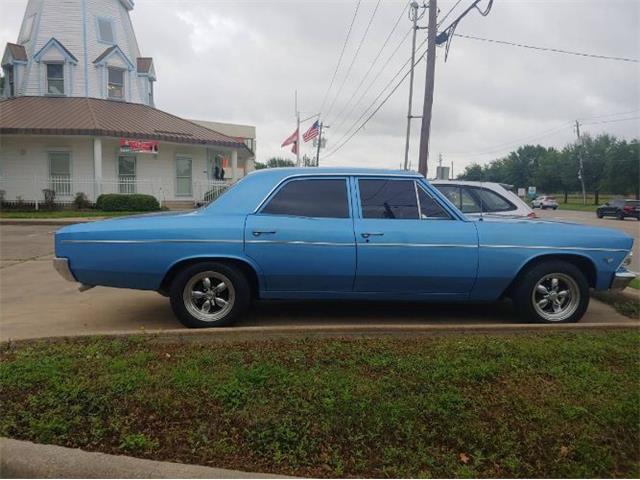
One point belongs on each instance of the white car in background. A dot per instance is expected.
(544, 202)
(477, 199)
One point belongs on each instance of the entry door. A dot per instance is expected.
(408, 243)
(303, 238)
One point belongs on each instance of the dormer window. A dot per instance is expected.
(55, 78)
(105, 31)
(115, 87)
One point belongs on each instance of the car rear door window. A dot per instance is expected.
(452, 192)
(492, 202)
(468, 203)
(391, 199)
(322, 198)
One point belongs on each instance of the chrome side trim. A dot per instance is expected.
(168, 240)
(419, 245)
(551, 247)
(303, 242)
(61, 266)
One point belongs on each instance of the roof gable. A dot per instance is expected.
(55, 43)
(114, 50)
(14, 53)
(145, 67)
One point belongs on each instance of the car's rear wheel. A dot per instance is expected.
(620, 215)
(209, 294)
(599, 214)
(552, 292)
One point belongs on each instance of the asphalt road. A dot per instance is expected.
(36, 302)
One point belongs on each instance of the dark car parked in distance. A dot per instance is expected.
(620, 209)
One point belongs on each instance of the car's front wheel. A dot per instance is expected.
(209, 294)
(599, 214)
(552, 292)
(620, 215)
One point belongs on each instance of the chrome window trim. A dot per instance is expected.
(344, 175)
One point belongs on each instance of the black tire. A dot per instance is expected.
(620, 215)
(523, 292)
(599, 214)
(240, 289)
(555, 208)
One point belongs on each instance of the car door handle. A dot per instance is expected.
(257, 233)
(371, 234)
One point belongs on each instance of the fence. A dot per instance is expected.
(28, 190)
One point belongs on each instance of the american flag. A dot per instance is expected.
(312, 132)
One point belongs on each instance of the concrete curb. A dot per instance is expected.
(20, 459)
(227, 334)
(48, 221)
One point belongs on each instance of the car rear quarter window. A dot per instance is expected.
(322, 198)
(392, 199)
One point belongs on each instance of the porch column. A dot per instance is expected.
(234, 165)
(97, 166)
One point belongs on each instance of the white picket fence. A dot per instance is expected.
(29, 189)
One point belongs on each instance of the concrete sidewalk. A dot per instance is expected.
(19, 459)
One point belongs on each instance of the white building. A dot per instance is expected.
(76, 90)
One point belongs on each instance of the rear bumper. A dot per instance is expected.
(622, 278)
(62, 267)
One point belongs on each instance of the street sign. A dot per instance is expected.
(522, 192)
(532, 192)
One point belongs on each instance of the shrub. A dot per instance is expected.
(117, 202)
(49, 198)
(81, 201)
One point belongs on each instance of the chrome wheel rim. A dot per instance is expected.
(209, 296)
(556, 297)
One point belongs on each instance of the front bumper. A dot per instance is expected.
(622, 278)
(62, 267)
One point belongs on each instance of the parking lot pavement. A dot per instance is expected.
(628, 225)
(36, 302)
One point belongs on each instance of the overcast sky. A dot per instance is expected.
(241, 61)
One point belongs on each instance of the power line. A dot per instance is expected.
(344, 46)
(375, 79)
(611, 121)
(448, 13)
(373, 63)
(361, 126)
(355, 57)
(546, 49)
(628, 112)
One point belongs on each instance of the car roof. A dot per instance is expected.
(289, 171)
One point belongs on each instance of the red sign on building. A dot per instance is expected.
(138, 146)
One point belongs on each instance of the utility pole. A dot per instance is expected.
(319, 143)
(428, 88)
(297, 132)
(581, 167)
(413, 15)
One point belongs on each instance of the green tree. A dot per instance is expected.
(545, 176)
(595, 152)
(472, 173)
(622, 175)
(275, 162)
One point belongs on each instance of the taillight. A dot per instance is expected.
(532, 215)
(628, 208)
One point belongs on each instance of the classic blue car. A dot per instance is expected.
(320, 233)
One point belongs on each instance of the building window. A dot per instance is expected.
(105, 31)
(126, 174)
(9, 76)
(60, 173)
(183, 177)
(115, 86)
(55, 78)
(27, 28)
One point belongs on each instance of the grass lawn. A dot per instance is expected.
(547, 405)
(635, 283)
(62, 214)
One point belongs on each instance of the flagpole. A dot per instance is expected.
(298, 131)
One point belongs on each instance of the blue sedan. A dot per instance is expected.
(320, 233)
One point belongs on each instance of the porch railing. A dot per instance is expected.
(28, 189)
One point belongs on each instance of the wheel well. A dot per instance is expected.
(584, 264)
(244, 267)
